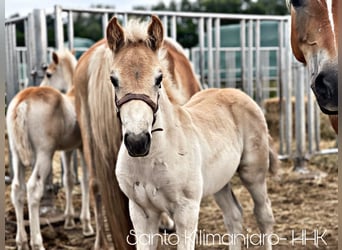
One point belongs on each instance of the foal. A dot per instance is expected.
(41, 120)
(172, 156)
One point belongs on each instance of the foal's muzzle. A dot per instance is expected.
(138, 145)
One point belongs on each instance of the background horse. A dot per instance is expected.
(314, 40)
(101, 133)
(41, 120)
(171, 156)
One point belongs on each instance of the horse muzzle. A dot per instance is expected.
(325, 88)
(138, 145)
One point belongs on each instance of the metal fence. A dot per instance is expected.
(215, 65)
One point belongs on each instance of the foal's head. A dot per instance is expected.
(314, 35)
(137, 75)
(60, 71)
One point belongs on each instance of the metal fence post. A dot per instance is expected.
(217, 53)
(40, 48)
(12, 79)
(299, 159)
(202, 53)
(59, 35)
(210, 53)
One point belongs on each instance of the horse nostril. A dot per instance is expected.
(137, 144)
(324, 85)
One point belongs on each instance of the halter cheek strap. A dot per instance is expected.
(140, 97)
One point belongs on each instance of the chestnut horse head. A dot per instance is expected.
(314, 40)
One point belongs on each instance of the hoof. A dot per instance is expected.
(69, 223)
(23, 246)
(37, 247)
(88, 230)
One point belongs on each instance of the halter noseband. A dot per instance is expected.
(140, 97)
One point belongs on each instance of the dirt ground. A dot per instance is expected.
(304, 207)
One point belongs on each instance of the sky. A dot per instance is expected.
(23, 7)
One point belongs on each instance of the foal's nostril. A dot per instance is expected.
(137, 144)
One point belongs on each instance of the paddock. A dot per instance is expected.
(299, 202)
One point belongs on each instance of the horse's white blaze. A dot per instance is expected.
(331, 17)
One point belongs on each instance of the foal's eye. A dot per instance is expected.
(297, 3)
(159, 79)
(48, 74)
(115, 81)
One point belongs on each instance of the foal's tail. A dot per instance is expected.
(273, 158)
(18, 132)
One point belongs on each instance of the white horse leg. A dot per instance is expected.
(85, 212)
(35, 189)
(232, 214)
(68, 182)
(255, 182)
(186, 220)
(145, 223)
(18, 200)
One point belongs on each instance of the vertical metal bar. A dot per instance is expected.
(300, 118)
(31, 49)
(282, 91)
(201, 45)
(125, 19)
(174, 27)
(12, 84)
(310, 112)
(210, 53)
(258, 91)
(287, 84)
(317, 127)
(59, 36)
(27, 52)
(104, 23)
(41, 42)
(165, 24)
(9, 67)
(217, 53)
(70, 30)
(249, 89)
(243, 52)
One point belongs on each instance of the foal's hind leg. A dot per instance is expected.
(232, 214)
(35, 188)
(85, 212)
(68, 182)
(253, 176)
(18, 200)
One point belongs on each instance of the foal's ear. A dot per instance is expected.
(115, 35)
(156, 33)
(55, 57)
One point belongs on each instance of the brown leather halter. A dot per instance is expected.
(140, 97)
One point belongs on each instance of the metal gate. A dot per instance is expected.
(290, 77)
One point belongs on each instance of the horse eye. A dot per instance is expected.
(297, 3)
(159, 80)
(48, 74)
(115, 81)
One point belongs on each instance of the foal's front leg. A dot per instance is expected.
(145, 224)
(186, 219)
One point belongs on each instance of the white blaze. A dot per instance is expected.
(331, 18)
